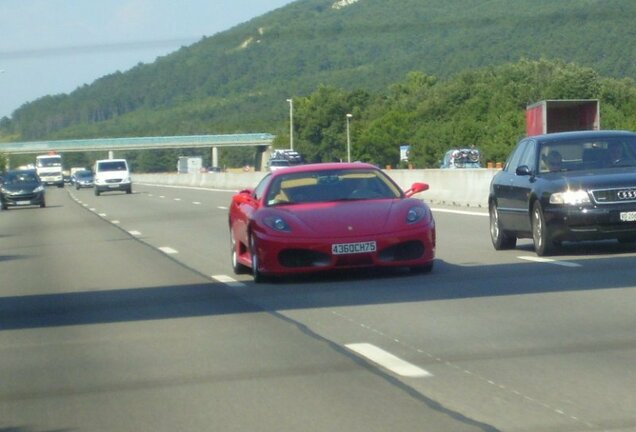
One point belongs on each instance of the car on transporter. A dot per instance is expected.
(566, 186)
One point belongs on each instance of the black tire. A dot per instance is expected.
(43, 204)
(237, 267)
(129, 190)
(256, 273)
(96, 192)
(3, 206)
(544, 245)
(501, 239)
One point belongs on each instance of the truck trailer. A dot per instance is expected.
(562, 115)
(189, 164)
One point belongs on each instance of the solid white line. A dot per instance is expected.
(188, 187)
(228, 281)
(168, 250)
(549, 261)
(461, 212)
(388, 360)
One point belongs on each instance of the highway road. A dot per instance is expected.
(121, 313)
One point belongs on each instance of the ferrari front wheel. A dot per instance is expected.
(256, 273)
(237, 267)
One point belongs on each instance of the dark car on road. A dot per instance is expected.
(567, 186)
(21, 188)
(83, 179)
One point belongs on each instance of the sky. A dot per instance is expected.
(49, 47)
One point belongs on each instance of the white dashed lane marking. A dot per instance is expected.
(228, 281)
(549, 261)
(388, 361)
(168, 250)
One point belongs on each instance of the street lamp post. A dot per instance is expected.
(349, 116)
(291, 123)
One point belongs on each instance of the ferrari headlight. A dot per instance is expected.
(570, 197)
(277, 223)
(415, 214)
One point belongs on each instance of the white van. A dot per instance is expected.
(112, 175)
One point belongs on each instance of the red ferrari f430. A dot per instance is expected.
(321, 217)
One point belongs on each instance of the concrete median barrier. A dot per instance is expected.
(455, 187)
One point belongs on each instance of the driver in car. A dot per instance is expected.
(615, 154)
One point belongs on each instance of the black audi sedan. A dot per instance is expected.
(567, 186)
(21, 188)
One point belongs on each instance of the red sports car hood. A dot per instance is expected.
(348, 218)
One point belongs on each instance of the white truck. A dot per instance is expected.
(189, 164)
(49, 169)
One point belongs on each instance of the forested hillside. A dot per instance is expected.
(238, 80)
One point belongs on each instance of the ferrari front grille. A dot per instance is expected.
(303, 258)
(405, 251)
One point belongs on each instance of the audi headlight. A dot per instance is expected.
(570, 197)
(277, 223)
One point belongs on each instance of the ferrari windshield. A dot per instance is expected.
(331, 185)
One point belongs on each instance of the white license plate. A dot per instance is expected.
(628, 216)
(113, 186)
(353, 248)
(23, 202)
